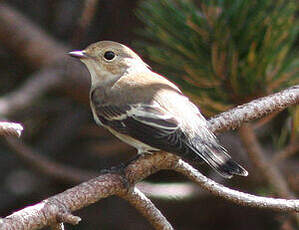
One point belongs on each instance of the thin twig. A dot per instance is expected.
(38, 84)
(87, 14)
(10, 128)
(45, 166)
(255, 109)
(288, 151)
(147, 208)
(270, 172)
(233, 195)
(64, 216)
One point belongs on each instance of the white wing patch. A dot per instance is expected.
(152, 115)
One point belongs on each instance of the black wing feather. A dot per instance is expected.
(157, 128)
(150, 125)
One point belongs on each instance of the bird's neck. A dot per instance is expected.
(135, 66)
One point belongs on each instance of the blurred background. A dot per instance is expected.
(221, 53)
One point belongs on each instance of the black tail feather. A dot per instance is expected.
(230, 168)
(216, 156)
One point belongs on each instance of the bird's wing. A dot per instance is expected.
(148, 123)
(158, 128)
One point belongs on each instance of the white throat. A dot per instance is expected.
(94, 69)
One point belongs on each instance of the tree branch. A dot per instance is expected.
(236, 196)
(288, 151)
(10, 129)
(268, 170)
(43, 165)
(26, 39)
(255, 109)
(38, 84)
(86, 17)
(14, 30)
(48, 211)
(147, 208)
(31, 43)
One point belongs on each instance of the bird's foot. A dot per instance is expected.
(120, 170)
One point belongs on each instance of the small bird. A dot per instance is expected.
(147, 111)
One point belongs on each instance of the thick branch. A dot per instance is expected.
(46, 212)
(66, 174)
(255, 109)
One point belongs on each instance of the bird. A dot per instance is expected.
(147, 111)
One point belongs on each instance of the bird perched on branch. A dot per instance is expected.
(145, 110)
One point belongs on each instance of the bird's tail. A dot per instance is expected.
(216, 156)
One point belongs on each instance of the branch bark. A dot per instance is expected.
(41, 164)
(255, 109)
(236, 196)
(10, 129)
(46, 212)
(147, 208)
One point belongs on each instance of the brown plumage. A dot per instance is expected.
(147, 111)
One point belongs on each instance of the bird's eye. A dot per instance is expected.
(109, 55)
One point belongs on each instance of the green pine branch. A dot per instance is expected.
(223, 52)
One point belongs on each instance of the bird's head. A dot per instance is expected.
(107, 60)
